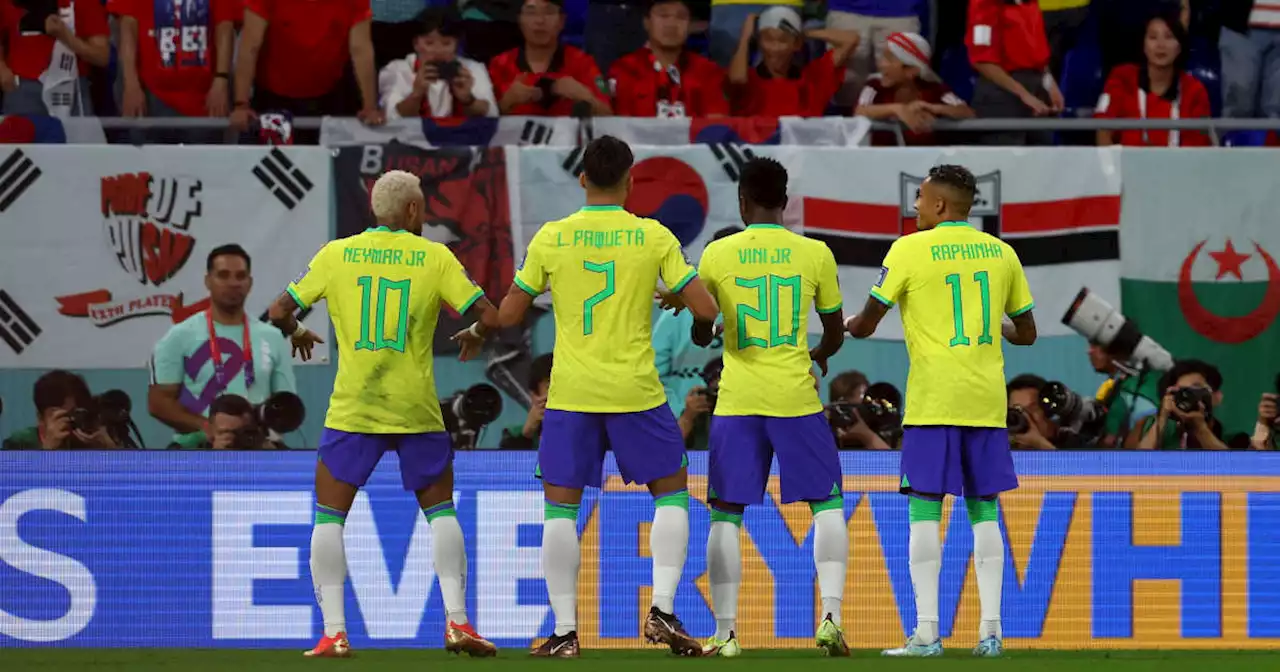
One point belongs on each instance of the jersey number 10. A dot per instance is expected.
(768, 294)
(377, 314)
(957, 309)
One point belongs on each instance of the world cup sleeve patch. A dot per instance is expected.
(884, 271)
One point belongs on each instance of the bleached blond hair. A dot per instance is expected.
(392, 193)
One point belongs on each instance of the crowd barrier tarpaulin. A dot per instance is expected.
(1059, 208)
(1200, 270)
(1108, 550)
(567, 132)
(105, 246)
(468, 132)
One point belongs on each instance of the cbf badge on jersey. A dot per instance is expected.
(884, 271)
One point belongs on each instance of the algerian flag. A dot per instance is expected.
(1199, 266)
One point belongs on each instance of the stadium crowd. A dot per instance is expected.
(908, 60)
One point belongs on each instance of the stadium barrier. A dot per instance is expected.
(201, 549)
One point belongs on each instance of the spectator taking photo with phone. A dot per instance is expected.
(436, 80)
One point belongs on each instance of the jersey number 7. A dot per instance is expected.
(957, 309)
(589, 306)
(378, 315)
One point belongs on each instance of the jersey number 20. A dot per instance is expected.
(957, 309)
(372, 336)
(768, 293)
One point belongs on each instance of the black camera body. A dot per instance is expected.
(447, 70)
(282, 412)
(711, 376)
(1192, 399)
(1017, 421)
(468, 411)
(110, 409)
(843, 414)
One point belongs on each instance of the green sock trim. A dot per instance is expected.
(680, 499)
(924, 510)
(329, 519)
(983, 511)
(836, 502)
(443, 509)
(718, 516)
(552, 510)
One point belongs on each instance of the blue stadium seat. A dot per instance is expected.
(575, 22)
(1213, 84)
(954, 69)
(1245, 139)
(1081, 77)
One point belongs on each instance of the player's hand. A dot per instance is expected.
(470, 344)
(57, 430)
(98, 439)
(822, 365)
(1269, 408)
(696, 402)
(304, 343)
(533, 421)
(672, 302)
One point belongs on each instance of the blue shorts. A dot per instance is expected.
(646, 444)
(960, 461)
(351, 457)
(742, 450)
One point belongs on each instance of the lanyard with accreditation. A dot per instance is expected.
(216, 352)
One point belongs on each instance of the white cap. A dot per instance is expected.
(913, 50)
(782, 17)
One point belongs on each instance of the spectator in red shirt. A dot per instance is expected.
(1158, 89)
(177, 63)
(48, 57)
(1008, 48)
(777, 87)
(293, 54)
(664, 79)
(906, 89)
(544, 77)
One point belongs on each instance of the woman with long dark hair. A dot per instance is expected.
(1157, 88)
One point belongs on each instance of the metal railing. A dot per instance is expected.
(1212, 126)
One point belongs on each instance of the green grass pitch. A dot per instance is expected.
(221, 660)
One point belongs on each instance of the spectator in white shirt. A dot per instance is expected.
(435, 81)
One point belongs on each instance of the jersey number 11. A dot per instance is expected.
(957, 309)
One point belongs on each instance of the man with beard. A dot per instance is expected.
(217, 351)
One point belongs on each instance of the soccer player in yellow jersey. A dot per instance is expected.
(767, 280)
(384, 288)
(602, 265)
(953, 284)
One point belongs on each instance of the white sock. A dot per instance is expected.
(724, 569)
(560, 560)
(668, 544)
(925, 554)
(329, 575)
(449, 554)
(831, 556)
(988, 564)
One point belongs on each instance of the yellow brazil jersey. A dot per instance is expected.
(766, 279)
(952, 284)
(384, 290)
(602, 264)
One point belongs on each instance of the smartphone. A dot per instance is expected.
(447, 70)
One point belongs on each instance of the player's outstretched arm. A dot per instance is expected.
(703, 333)
(514, 306)
(832, 339)
(699, 301)
(1020, 329)
(281, 314)
(484, 321)
(864, 324)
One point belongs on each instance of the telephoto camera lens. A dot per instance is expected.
(1017, 421)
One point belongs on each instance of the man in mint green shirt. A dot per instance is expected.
(190, 368)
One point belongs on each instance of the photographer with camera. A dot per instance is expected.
(1029, 427)
(1133, 397)
(435, 81)
(233, 425)
(699, 404)
(1192, 389)
(847, 391)
(526, 436)
(1268, 427)
(67, 417)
